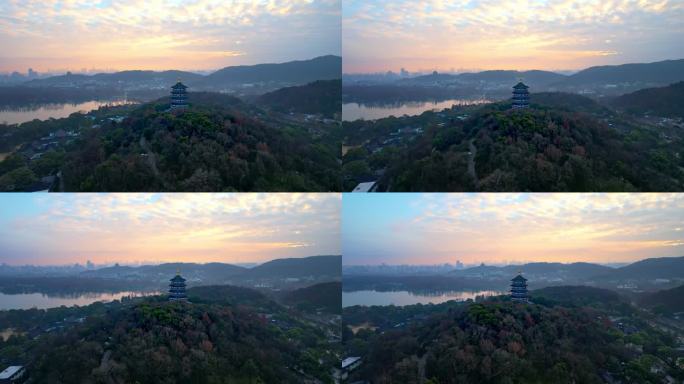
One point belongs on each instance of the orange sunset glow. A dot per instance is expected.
(511, 228)
(150, 228)
(160, 34)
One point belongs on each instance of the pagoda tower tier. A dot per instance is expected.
(519, 289)
(177, 289)
(179, 96)
(521, 96)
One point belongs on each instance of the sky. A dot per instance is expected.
(64, 229)
(504, 228)
(442, 35)
(164, 34)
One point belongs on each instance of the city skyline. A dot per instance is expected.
(546, 35)
(59, 35)
(430, 229)
(37, 229)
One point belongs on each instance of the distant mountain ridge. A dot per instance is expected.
(532, 77)
(297, 268)
(292, 72)
(663, 267)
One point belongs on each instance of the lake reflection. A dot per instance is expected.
(43, 301)
(355, 111)
(370, 297)
(18, 115)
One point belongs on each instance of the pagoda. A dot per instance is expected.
(179, 96)
(177, 288)
(521, 97)
(519, 289)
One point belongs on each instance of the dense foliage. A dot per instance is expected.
(557, 340)
(225, 335)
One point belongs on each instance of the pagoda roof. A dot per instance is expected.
(179, 85)
(178, 278)
(520, 85)
(519, 278)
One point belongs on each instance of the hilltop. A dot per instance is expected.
(219, 143)
(225, 333)
(566, 335)
(563, 142)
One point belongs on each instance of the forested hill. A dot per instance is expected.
(571, 335)
(218, 144)
(324, 97)
(211, 340)
(543, 148)
(665, 301)
(664, 101)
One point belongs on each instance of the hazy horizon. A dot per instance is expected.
(475, 70)
(132, 228)
(439, 35)
(510, 228)
(160, 35)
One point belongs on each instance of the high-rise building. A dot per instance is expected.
(519, 289)
(177, 288)
(521, 96)
(179, 96)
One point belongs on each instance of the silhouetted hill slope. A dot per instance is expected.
(666, 301)
(539, 149)
(661, 72)
(296, 72)
(323, 96)
(665, 101)
(576, 296)
(326, 296)
(662, 267)
(299, 267)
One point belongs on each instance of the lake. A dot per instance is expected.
(370, 297)
(355, 111)
(43, 301)
(44, 112)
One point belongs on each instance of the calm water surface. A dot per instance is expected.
(355, 111)
(57, 111)
(370, 297)
(43, 301)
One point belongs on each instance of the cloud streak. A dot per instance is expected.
(503, 34)
(164, 34)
